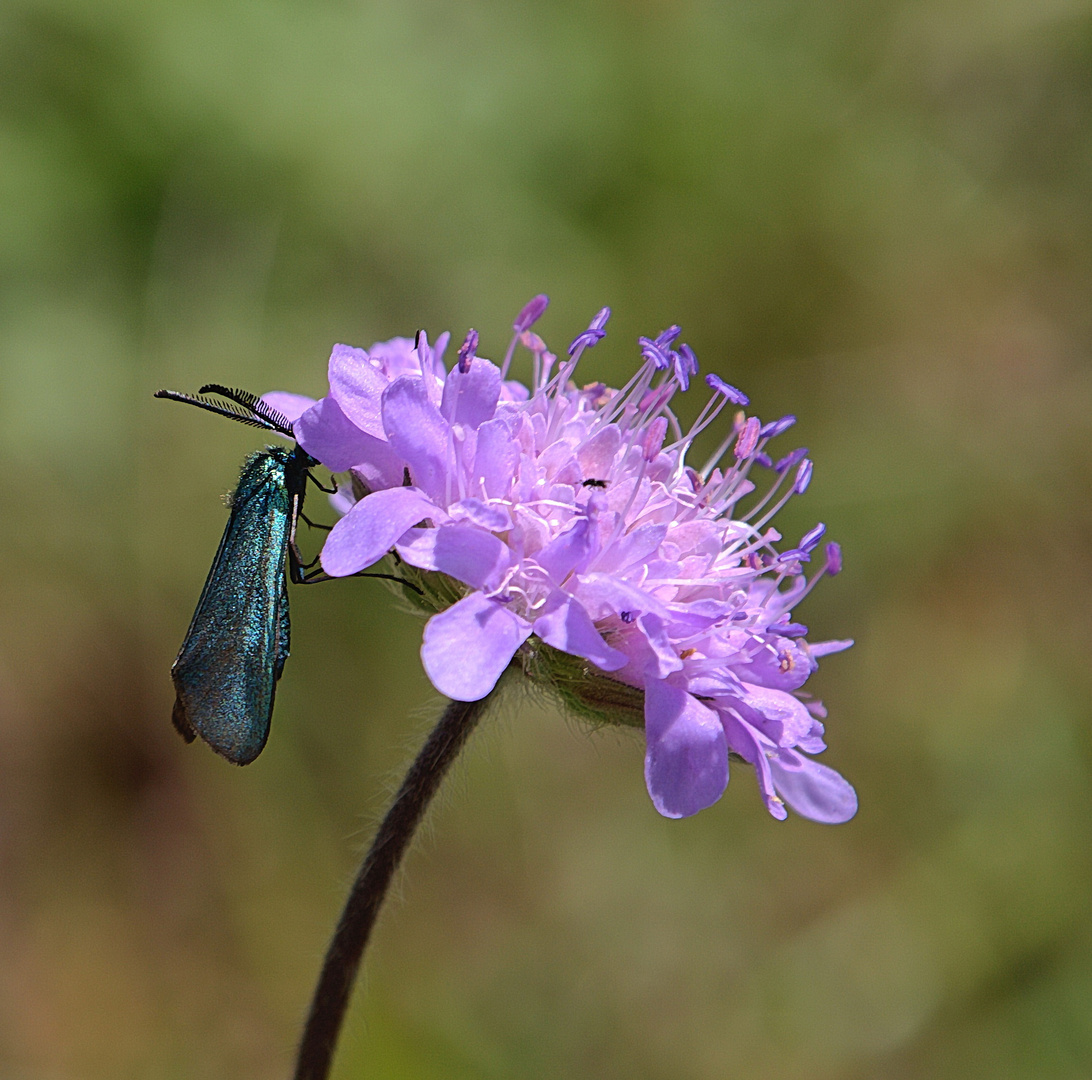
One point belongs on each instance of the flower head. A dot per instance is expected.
(563, 526)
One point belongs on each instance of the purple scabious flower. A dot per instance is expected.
(564, 527)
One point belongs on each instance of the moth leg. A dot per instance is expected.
(296, 565)
(314, 524)
(321, 575)
(328, 490)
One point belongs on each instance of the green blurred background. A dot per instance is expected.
(873, 214)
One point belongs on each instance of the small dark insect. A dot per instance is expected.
(225, 675)
(594, 483)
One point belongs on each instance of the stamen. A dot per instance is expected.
(776, 427)
(736, 397)
(594, 333)
(526, 318)
(531, 313)
(803, 477)
(810, 540)
(654, 353)
(748, 438)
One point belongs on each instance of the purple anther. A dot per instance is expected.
(600, 320)
(789, 630)
(653, 441)
(736, 397)
(594, 333)
(688, 356)
(467, 350)
(740, 616)
(794, 555)
(764, 459)
(810, 540)
(776, 427)
(834, 558)
(654, 353)
(626, 616)
(531, 313)
(682, 370)
(803, 477)
(665, 337)
(748, 438)
(789, 460)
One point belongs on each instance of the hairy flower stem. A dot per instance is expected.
(335, 985)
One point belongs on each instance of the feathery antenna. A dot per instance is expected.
(238, 405)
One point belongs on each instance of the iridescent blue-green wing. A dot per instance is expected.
(226, 673)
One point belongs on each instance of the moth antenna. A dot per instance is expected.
(241, 406)
(253, 404)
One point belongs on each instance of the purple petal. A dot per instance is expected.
(663, 659)
(467, 647)
(497, 456)
(565, 625)
(780, 664)
(329, 436)
(813, 790)
(419, 434)
(568, 552)
(368, 531)
(825, 648)
(467, 553)
(686, 760)
(604, 594)
(752, 747)
(357, 387)
(470, 396)
(379, 466)
(290, 406)
(490, 518)
(777, 714)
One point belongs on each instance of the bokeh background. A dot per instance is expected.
(874, 214)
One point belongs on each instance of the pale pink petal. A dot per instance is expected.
(686, 760)
(467, 647)
(369, 530)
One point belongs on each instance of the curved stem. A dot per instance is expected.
(335, 984)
